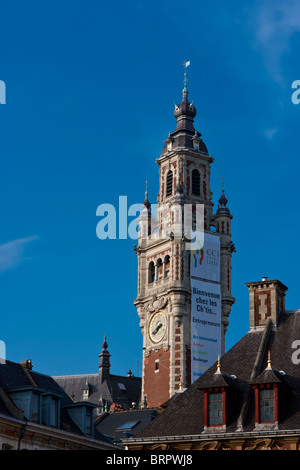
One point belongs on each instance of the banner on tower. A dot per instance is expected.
(206, 325)
(205, 262)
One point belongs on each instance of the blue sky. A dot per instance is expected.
(90, 90)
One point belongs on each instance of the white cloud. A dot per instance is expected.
(276, 24)
(12, 253)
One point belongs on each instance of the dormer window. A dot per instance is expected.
(266, 389)
(215, 409)
(267, 405)
(82, 414)
(29, 401)
(220, 393)
(86, 391)
(50, 410)
(89, 422)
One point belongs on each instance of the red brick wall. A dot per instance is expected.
(156, 383)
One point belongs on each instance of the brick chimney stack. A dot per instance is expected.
(267, 300)
(27, 364)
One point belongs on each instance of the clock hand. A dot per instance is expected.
(158, 326)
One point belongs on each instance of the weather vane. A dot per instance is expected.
(185, 65)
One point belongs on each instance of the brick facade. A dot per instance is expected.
(157, 377)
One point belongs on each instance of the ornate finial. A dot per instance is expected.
(180, 384)
(104, 344)
(218, 371)
(269, 366)
(186, 64)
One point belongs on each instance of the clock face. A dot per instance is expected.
(157, 327)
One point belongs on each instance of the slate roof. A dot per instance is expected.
(240, 366)
(118, 389)
(185, 133)
(13, 376)
(121, 425)
(104, 388)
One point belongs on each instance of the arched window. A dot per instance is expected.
(151, 272)
(159, 269)
(167, 266)
(196, 182)
(169, 183)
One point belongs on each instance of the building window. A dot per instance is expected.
(169, 185)
(196, 182)
(7, 447)
(89, 423)
(151, 272)
(50, 410)
(267, 405)
(29, 402)
(159, 269)
(167, 266)
(35, 407)
(156, 365)
(215, 409)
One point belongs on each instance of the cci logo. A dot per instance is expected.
(2, 92)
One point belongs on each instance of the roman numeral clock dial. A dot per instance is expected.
(157, 327)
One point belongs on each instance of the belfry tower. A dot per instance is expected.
(164, 290)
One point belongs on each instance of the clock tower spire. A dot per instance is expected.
(164, 282)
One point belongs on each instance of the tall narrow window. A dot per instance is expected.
(266, 405)
(215, 409)
(196, 182)
(159, 269)
(167, 266)
(169, 185)
(151, 272)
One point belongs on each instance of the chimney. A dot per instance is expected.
(267, 300)
(27, 364)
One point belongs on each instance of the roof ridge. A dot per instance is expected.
(73, 375)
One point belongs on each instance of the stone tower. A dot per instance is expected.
(164, 288)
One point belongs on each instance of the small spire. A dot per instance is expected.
(218, 371)
(146, 202)
(104, 363)
(223, 199)
(269, 366)
(222, 207)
